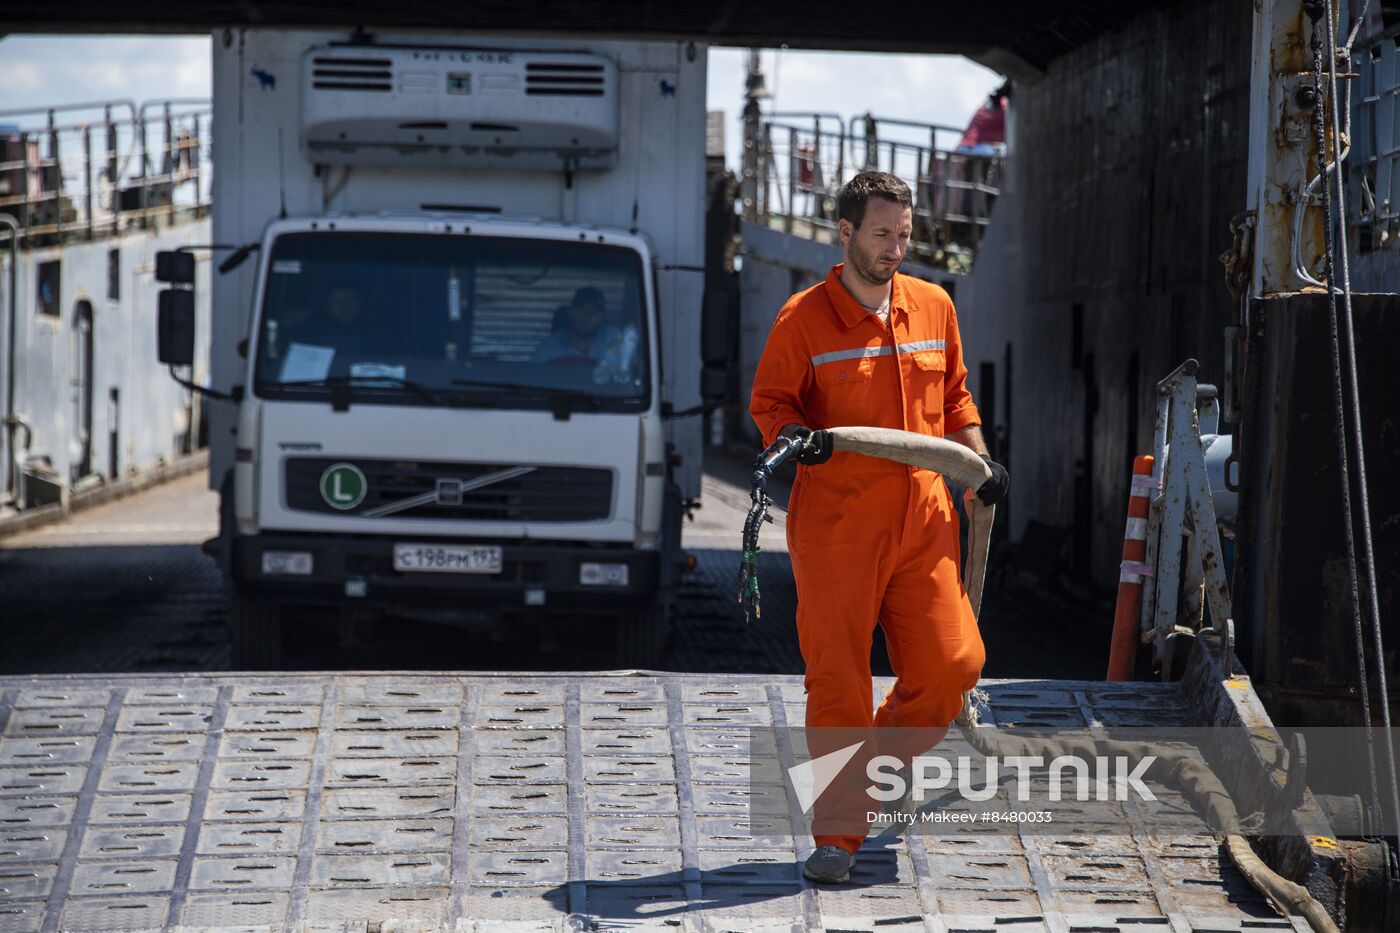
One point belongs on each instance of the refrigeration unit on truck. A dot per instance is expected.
(464, 352)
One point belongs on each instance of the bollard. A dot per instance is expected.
(1123, 649)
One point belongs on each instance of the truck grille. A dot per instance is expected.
(564, 79)
(546, 494)
(352, 74)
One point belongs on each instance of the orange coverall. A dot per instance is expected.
(871, 539)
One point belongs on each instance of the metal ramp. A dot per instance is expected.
(449, 802)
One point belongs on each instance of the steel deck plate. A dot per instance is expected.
(422, 801)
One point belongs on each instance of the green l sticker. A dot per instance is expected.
(343, 486)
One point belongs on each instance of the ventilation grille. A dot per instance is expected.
(564, 79)
(352, 74)
(548, 494)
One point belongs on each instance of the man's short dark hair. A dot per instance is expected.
(588, 297)
(856, 193)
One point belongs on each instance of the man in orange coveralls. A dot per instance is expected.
(871, 539)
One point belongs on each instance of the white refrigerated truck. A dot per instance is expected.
(464, 345)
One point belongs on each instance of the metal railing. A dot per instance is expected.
(83, 171)
(805, 158)
(1373, 164)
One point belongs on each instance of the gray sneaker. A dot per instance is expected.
(829, 865)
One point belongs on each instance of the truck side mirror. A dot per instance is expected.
(175, 267)
(714, 383)
(716, 329)
(175, 327)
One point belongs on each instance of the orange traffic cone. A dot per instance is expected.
(1122, 655)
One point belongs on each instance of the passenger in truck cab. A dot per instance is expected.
(581, 334)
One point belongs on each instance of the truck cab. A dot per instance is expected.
(475, 306)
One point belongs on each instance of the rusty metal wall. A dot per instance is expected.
(1292, 588)
(1100, 272)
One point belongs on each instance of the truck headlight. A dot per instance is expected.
(591, 574)
(295, 563)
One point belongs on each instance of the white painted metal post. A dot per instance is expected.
(1174, 509)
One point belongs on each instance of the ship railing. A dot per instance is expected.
(1372, 166)
(92, 170)
(805, 158)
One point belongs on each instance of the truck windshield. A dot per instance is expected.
(500, 322)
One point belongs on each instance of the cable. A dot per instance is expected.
(1339, 410)
(1368, 556)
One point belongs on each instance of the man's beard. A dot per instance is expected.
(868, 269)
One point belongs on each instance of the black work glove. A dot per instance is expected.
(816, 446)
(994, 489)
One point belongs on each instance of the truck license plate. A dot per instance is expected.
(439, 559)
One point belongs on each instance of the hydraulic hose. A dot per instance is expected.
(953, 460)
(957, 463)
(768, 461)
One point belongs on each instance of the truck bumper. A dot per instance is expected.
(359, 570)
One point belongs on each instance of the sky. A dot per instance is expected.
(42, 71)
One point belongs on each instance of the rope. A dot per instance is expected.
(1178, 767)
(1351, 38)
(1368, 557)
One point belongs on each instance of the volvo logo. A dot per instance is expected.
(449, 492)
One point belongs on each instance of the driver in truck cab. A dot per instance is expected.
(348, 327)
(341, 322)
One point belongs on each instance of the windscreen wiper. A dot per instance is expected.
(562, 398)
(366, 382)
